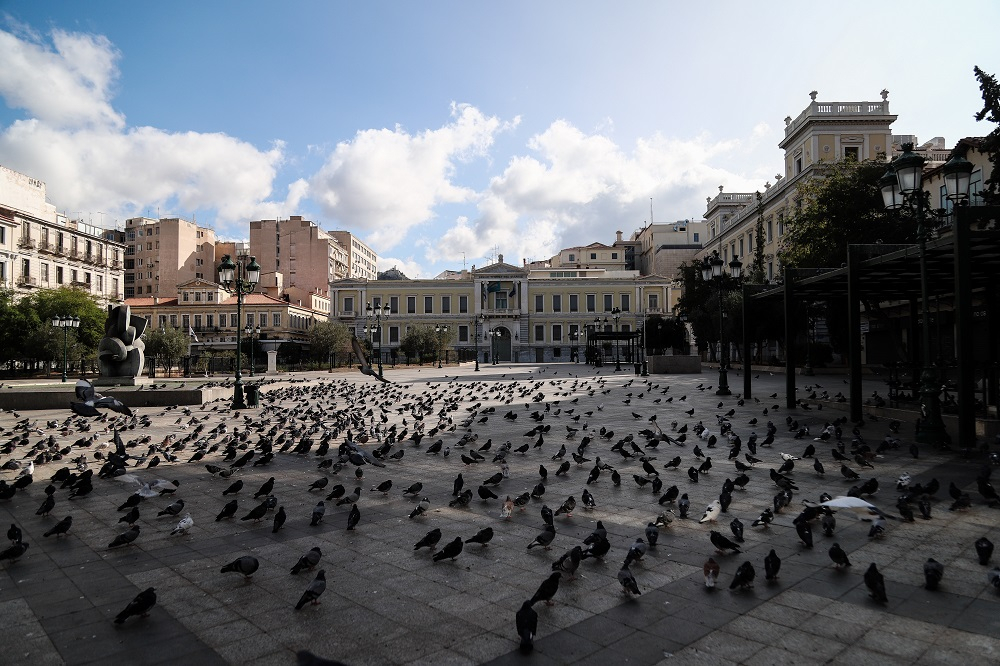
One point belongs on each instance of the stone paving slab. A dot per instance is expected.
(388, 604)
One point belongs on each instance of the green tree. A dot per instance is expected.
(842, 206)
(421, 343)
(167, 344)
(991, 142)
(44, 341)
(19, 328)
(328, 338)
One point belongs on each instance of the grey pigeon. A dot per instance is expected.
(430, 540)
(526, 621)
(60, 528)
(173, 509)
(317, 513)
(139, 606)
(451, 550)
(627, 581)
(313, 591)
(933, 573)
(875, 583)
(309, 560)
(125, 538)
(246, 565)
(547, 589)
(544, 538)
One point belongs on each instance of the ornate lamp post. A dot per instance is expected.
(481, 319)
(574, 354)
(375, 316)
(239, 278)
(494, 338)
(711, 270)
(65, 322)
(616, 314)
(901, 186)
(438, 330)
(251, 331)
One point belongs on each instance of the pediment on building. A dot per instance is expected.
(500, 268)
(199, 283)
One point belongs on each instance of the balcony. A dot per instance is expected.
(81, 285)
(26, 281)
(76, 254)
(59, 250)
(502, 312)
(116, 265)
(26, 242)
(45, 246)
(347, 314)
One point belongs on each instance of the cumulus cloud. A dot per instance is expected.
(91, 160)
(384, 182)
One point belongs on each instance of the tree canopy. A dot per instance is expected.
(327, 338)
(991, 142)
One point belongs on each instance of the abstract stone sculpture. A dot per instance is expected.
(120, 353)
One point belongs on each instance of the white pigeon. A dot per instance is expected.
(788, 456)
(712, 512)
(184, 525)
(507, 508)
(27, 471)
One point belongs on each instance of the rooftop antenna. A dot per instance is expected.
(650, 211)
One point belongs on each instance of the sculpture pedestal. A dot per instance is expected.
(272, 362)
(121, 381)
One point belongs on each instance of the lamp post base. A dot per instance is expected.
(645, 369)
(238, 400)
(723, 382)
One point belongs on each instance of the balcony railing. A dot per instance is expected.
(501, 312)
(45, 246)
(346, 314)
(27, 281)
(116, 264)
(25, 241)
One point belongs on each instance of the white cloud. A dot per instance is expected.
(384, 182)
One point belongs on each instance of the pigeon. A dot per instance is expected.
(693, 474)
(228, 511)
(125, 538)
(319, 484)
(875, 583)
(459, 482)
(547, 589)
(430, 540)
(90, 401)
(350, 499)
(60, 528)
(317, 513)
(569, 562)
(546, 514)
(588, 500)
(652, 534)
(140, 606)
(712, 512)
(265, 489)
(772, 564)
(257, 512)
(829, 523)
(507, 509)
(47, 505)
(736, 527)
(421, 508)
(839, 556)
(354, 517)
(173, 509)
(482, 537)
(805, 533)
(246, 565)
(636, 551)
(984, 550)
(722, 544)
(933, 573)
(567, 507)
(451, 550)
(308, 560)
(544, 538)
(744, 576)
(683, 504)
(234, 488)
(765, 519)
(313, 591)
(183, 525)
(14, 534)
(14, 552)
(526, 621)
(463, 498)
(486, 494)
(414, 489)
(279, 520)
(627, 581)
(711, 571)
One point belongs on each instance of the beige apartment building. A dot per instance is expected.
(361, 259)
(41, 248)
(296, 253)
(529, 313)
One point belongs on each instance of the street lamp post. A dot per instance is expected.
(616, 314)
(65, 322)
(642, 349)
(239, 278)
(494, 343)
(251, 331)
(711, 270)
(438, 330)
(376, 315)
(481, 319)
(901, 185)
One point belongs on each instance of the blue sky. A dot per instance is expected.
(442, 132)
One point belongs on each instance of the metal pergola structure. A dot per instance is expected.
(965, 261)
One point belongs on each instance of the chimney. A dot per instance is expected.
(618, 237)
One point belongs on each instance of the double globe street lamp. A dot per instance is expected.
(711, 271)
(375, 316)
(239, 278)
(438, 331)
(481, 319)
(902, 186)
(65, 323)
(252, 331)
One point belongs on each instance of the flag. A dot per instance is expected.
(191, 333)
(494, 287)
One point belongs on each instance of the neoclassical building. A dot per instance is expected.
(526, 313)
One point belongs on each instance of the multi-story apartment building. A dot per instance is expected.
(823, 132)
(161, 254)
(361, 259)
(660, 249)
(297, 253)
(536, 313)
(41, 248)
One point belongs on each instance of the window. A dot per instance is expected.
(770, 231)
(197, 322)
(173, 320)
(593, 256)
(851, 153)
(59, 274)
(591, 302)
(572, 257)
(210, 321)
(557, 352)
(695, 237)
(741, 248)
(608, 302)
(114, 286)
(376, 302)
(394, 334)
(74, 275)
(250, 319)
(798, 165)
(463, 304)
(614, 255)
(3, 236)
(500, 301)
(770, 271)
(428, 304)
(394, 304)
(129, 292)
(233, 321)
(100, 283)
(446, 305)
(781, 224)
(184, 297)
(574, 303)
(626, 302)
(463, 333)
(539, 333)
(149, 246)
(411, 305)
(186, 323)
(556, 302)
(556, 332)
(348, 304)
(539, 303)
(276, 319)
(44, 274)
(654, 301)
(210, 296)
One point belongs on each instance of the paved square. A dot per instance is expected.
(386, 603)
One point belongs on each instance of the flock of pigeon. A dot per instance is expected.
(351, 429)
